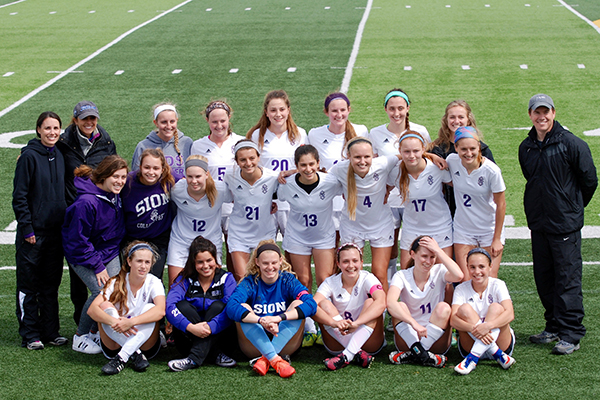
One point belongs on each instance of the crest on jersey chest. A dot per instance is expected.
(375, 176)
(430, 180)
(480, 181)
(490, 298)
(322, 195)
(265, 188)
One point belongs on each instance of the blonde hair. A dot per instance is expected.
(404, 180)
(166, 178)
(210, 189)
(445, 135)
(119, 295)
(264, 122)
(351, 198)
(176, 136)
(252, 269)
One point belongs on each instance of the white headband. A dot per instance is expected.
(245, 144)
(164, 107)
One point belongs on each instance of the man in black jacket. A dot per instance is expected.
(561, 180)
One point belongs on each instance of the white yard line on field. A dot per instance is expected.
(590, 23)
(355, 47)
(11, 4)
(88, 58)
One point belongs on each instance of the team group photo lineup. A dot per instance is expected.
(239, 249)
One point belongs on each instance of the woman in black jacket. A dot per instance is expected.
(39, 205)
(83, 142)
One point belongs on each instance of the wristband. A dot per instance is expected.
(282, 316)
(258, 322)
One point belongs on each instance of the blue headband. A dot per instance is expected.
(139, 246)
(465, 132)
(479, 250)
(395, 93)
(411, 135)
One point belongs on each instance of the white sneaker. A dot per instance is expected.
(84, 344)
(96, 338)
(163, 340)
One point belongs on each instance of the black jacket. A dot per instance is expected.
(39, 190)
(561, 180)
(69, 146)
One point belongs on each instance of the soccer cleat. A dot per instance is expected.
(183, 364)
(223, 360)
(319, 339)
(35, 345)
(309, 339)
(139, 361)
(466, 366)
(505, 360)
(114, 366)
(434, 360)
(163, 340)
(401, 357)
(563, 347)
(84, 344)
(59, 341)
(544, 337)
(363, 359)
(283, 368)
(260, 365)
(336, 362)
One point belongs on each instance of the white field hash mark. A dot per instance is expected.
(88, 58)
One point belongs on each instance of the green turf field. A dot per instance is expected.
(263, 42)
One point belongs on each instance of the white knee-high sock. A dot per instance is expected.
(359, 337)
(131, 344)
(392, 268)
(309, 325)
(434, 332)
(407, 333)
(479, 348)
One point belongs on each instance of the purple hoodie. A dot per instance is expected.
(147, 208)
(94, 227)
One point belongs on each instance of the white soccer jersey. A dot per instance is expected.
(496, 292)
(251, 220)
(421, 303)
(330, 145)
(220, 159)
(197, 217)
(371, 214)
(474, 195)
(277, 154)
(426, 212)
(151, 289)
(350, 305)
(311, 215)
(385, 143)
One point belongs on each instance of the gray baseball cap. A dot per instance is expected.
(540, 100)
(85, 109)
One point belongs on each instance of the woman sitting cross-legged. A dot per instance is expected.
(196, 307)
(351, 305)
(270, 305)
(128, 311)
